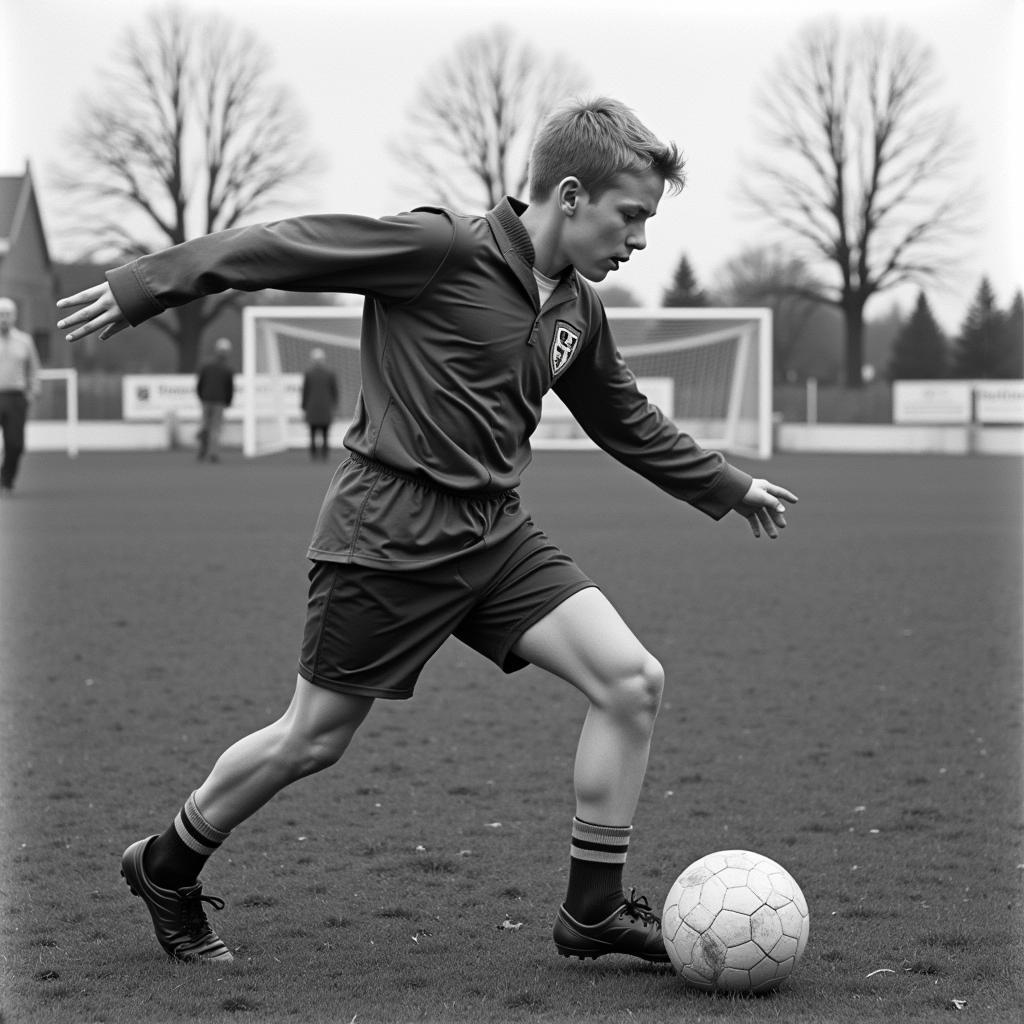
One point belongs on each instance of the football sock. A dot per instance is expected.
(175, 858)
(597, 856)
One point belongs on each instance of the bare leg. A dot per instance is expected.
(164, 870)
(311, 735)
(585, 642)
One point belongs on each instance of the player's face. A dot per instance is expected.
(602, 234)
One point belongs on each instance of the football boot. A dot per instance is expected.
(634, 929)
(179, 919)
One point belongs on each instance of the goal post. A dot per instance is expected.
(54, 413)
(709, 369)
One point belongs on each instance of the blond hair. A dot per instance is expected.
(596, 140)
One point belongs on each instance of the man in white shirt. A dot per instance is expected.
(19, 384)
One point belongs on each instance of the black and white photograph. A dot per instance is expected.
(511, 512)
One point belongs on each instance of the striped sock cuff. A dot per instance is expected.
(601, 844)
(195, 831)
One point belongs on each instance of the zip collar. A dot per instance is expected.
(517, 248)
(511, 234)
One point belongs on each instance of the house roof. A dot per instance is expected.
(18, 202)
(10, 194)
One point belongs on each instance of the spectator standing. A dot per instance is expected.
(215, 386)
(319, 402)
(19, 384)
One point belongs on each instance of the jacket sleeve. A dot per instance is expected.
(601, 392)
(391, 257)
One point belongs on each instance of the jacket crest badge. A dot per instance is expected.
(563, 346)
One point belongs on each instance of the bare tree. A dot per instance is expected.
(469, 133)
(187, 137)
(771, 276)
(863, 167)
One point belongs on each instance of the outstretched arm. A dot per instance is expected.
(393, 257)
(762, 507)
(97, 310)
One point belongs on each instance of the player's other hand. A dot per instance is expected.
(763, 507)
(97, 311)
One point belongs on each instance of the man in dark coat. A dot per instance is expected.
(216, 389)
(319, 400)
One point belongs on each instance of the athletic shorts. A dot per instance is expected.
(370, 631)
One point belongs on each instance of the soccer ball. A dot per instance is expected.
(735, 921)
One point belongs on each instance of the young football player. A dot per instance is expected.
(468, 321)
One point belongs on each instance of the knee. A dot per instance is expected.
(650, 685)
(322, 752)
(635, 693)
(316, 729)
(300, 754)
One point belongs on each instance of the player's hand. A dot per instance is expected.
(763, 507)
(98, 311)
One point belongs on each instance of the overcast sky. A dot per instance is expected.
(690, 68)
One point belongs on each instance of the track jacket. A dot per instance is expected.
(456, 355)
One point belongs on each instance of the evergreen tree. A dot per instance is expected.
(978, 346)
(919, 351)
(684, 290)
(1012, 362)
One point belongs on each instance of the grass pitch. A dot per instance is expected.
(846, 700)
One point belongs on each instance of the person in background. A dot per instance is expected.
(19, 384)
(319, 401)
(215, 386)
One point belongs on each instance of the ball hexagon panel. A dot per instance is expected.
(712, 894)
(742, 900)
(765, 928)
(732, 928)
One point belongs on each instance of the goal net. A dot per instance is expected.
(708, 369)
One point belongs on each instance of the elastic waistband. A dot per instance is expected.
(428, 485)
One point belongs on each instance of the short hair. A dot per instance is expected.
(223, 345)
(8, 306)
(596, 140)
